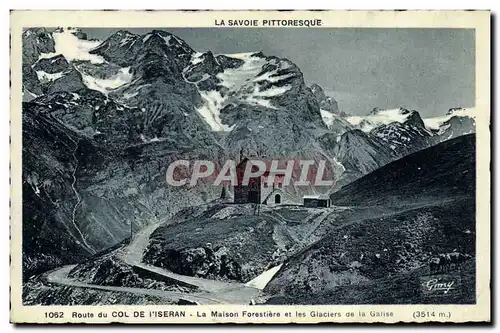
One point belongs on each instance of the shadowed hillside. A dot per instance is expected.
(446, 170)
(391, 249)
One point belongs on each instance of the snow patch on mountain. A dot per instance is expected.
(261, 281)
(378, 118)
(46, 56)
(336, 162)
(130, 95)
(127, 39)
(274, 91)
(384, 117)
(240, 56)
(262, 102)
(328, 117)
(273, 76)
(144, 139)
(167, 40)
(435, 123)
(48, 77)
(236, 78)
(28, 95)
(243, 82)
(74, 48)
(210, 111)
(196, 58)
(123, 76)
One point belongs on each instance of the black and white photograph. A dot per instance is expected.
(287, 163)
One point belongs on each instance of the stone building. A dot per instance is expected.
(259, 190)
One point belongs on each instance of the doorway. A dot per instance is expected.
(277, 199)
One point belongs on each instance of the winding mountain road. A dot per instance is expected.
(211, 291)
(60, 276)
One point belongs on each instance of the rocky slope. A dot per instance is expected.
(231, 242)
(39, 292)
(360, 153)
(51, 200)
(406, 137)
(325, 102)
(109, 269)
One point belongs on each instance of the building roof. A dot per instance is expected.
(316, 196)
(267, 162)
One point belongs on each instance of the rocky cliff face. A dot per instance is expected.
(36, 43)
(407, 137)
(325, 102)
(103, 120)
(359, 153)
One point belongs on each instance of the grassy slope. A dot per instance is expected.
(446, 170)
(403, 288)
(421, 205)
(386, 249)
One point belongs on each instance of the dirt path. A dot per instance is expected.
(60, 276)
(230, 292)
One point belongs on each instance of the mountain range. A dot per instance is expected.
(102, 120)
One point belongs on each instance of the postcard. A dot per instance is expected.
(250, 166)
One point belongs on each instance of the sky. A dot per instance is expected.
(428, 70)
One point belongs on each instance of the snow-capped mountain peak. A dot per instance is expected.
(378, 117)
(222, 91)
(72, 46)
(435, 123)
(249, 78)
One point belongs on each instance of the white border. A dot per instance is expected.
(92, 4)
